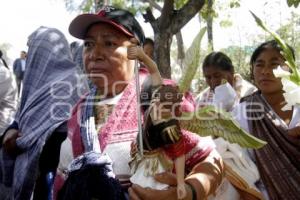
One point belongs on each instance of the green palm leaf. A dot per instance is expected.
(287, 53)
(191, 62)
(210, 121)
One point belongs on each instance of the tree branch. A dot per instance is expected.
(180, 46)
(154, 4)
(149, 17)
(166, 14)
(185, 14)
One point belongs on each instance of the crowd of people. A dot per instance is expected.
(74, 129)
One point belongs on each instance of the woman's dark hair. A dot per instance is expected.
(218, 60)
(148, 41)
(268, 44)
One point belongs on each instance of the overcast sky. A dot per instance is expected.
(20, 18)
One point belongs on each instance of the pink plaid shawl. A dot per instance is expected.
(122, 126)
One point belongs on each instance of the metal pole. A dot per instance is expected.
(138, 98)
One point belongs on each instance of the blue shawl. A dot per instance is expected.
(49, 93)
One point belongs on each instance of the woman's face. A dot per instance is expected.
(214, 76)
(263, 66)
(105, 58)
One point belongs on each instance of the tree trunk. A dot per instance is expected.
(180, 48)
(168, 24)
(162, 53)
(210, 25)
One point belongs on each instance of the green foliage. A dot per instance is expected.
(87, 6)
(290, 32)
(90, 6)
(294, 3)
(191, 62)
(240, 57)
(286, 51)
(207, 12)
(119, 3)
(180, 3)
(234, 4)
(226, 23)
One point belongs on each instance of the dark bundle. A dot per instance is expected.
(92, 181)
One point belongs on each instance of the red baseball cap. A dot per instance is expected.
(121, 19)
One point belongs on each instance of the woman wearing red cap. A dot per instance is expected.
(106, 119)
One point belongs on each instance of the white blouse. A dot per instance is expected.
(115, 151)
(239, 113)
(8, 98)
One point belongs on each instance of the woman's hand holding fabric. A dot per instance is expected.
(9, 142)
